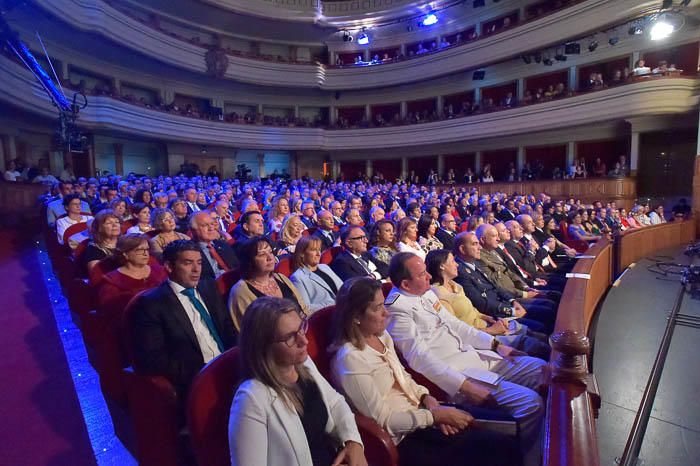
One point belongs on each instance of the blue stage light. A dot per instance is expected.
(363, 39)
(430, 20)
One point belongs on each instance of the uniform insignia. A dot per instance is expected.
(437, 306)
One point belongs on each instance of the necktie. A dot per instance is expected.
(520, 269)
(219, 260)
(364, 264)
(189, 292)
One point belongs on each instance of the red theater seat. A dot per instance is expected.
(226, 281)
(329, 254)
(285, 266)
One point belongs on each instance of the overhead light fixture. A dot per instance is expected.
(635, 30)
(479, 75)
(527, 59)
(547, 61)
(347, 37)
(613, 40)
(592, 45)
(661, 30)
(430, 19)
(572, 48)
(363, 39)
(538, 57)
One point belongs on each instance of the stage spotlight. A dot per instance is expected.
(613, 40)
(661, 30)
(538, 57)
(527, 59)
(363, 39)
(635, 30)
(347, 37)
(430, 19)
(560, 57)
(592, 45)
(479, 75)
(547, 61)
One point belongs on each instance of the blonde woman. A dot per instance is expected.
(317, 283)
(407, 237)
(285, 412)
(278, 211)
(290, 233)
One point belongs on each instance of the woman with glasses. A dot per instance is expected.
(316, 282)
(163, 221)
(258, 278)
(370, 374)
(285, 412)
(134, 274)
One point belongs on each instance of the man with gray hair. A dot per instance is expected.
(217, 256)
(470, 365)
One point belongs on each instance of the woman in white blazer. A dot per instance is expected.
(317, 283)
(368, 370)
(285, 412)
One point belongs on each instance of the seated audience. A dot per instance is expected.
(278, 211)
(11, 174)
(163, 221)
(165, 318)
(250, 225)
(427, 227)
(285, 412)
(407, 237)
(656, 216)
(354, 260)
(381, 238)
(372, 378)
(324, 232)
(317, 283)
(104, 232)
(258, 278)
(640, 68)
(443, 269)
(72, 204)
(217, 256)
(142, 214)
(447, 231)
(576, 230)
(181, 215)
(470, 365)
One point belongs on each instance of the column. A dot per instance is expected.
(261, 165)
(521, 89)
(402, 49)
(368, 112)
(11, 147)
(404, 109)
(477, 162)
(3, 158)
(331, 57)
(634, 152)
(117, 84)
(91, 155)
(118, 158)
(369, 169)
(335, 169)
(296, 111)
(695, 201)
(440, 104)
(520, 160)
(404, 168)
(570, 155)
(478, 29)
(260, 109)
(573, 78)
(217, 102)
(477, 96)
(167, 95)
(365, 55)
(63, 69)
(293, 52)
(332, 115)
(441, 166)
(293, 164)
(635, 56)
(55, 161)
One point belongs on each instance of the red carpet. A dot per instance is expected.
(40, 419)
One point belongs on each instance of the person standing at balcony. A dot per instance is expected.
(640, 68)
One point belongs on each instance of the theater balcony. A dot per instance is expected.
(96, 16)
(661, 96)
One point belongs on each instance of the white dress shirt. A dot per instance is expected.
(369, 383)
(403, 247)
(207, 344)
(369, 264)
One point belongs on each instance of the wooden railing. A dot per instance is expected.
(621, 190)
(633, 245)
(572, 399)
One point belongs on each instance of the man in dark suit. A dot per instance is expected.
(325, 229)
(182, 324)
(191, 201)
(530, 256)
(308, 213)
(447, 231)
(486, 296)
(337, 211)
(217, 256)
(354, 261)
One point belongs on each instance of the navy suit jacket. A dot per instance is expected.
(164, 342)
(346, 267)
(484, 295)
(326, 243)
(447, 239)
(226, 253)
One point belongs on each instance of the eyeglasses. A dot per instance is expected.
(140, 250)
(291, 338)
(361, 238)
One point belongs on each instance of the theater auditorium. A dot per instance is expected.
(350, 232)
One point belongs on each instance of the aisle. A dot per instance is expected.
(42, 423)
(627, 337)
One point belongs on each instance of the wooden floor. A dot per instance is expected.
(631, 323)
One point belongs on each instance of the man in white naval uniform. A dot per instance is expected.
(468, 364)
